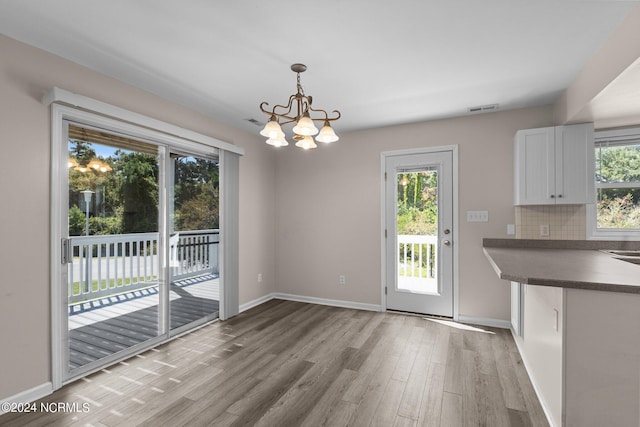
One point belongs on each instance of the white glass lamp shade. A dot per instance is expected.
(327, 134)
(278, 141)
(306, 143)
(305, 126)
(272, 129)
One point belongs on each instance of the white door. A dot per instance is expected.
(420, 235)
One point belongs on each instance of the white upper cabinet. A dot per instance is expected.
(555, 165)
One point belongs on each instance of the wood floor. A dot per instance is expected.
(286, 364)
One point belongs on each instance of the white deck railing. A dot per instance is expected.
(417, 256)
(193, 253)
(112, 264)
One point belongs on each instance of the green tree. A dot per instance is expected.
(126, 198)
(196, 194)
(137, 176)
(418, 203)
(81, 179)
(82, 151)
(77, 220)
(618, 207)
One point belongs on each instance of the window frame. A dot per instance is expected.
(615, 137)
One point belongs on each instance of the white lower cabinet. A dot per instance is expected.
(582, 351)
(541, 345)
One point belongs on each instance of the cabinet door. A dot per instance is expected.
(534, 168)
(574, 164)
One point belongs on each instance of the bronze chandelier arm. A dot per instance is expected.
(326, 116)
(304, 105)
(273, 111)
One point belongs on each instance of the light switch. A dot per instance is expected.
(477, 216)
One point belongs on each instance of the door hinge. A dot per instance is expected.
(385, 176)
(385, 290)
(66, 251)
(385, 233)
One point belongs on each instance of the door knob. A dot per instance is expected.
(447, 231)
(446, 243)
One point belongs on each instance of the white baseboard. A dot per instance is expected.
(311, 300)
(331, 302)
(256, 302)
(35, 393)
(485, 321)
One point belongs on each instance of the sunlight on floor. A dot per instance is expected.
(459, 325)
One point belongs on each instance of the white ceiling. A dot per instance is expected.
(378, 63)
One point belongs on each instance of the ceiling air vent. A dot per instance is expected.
(255, 122)
(483, 108)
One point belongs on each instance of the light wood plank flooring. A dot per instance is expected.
(286, 364)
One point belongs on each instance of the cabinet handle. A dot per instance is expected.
(553, 196)
(559, 195)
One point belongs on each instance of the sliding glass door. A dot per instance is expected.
(194, 240)
(112, 245)
(140, 244)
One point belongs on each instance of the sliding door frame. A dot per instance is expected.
(167, 137)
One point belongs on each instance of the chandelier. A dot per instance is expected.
(304, 128)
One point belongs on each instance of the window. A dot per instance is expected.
(616, 214)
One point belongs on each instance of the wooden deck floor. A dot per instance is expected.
(290, 364)
(100, 332)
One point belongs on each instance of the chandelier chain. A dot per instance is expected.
(300, 89)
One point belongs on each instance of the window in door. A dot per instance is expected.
(417, 229)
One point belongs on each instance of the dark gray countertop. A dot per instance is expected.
(577, 264)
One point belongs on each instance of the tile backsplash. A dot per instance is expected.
(566, 222)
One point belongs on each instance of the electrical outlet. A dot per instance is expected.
(342, 279)
(511, 229)
(544, 229)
